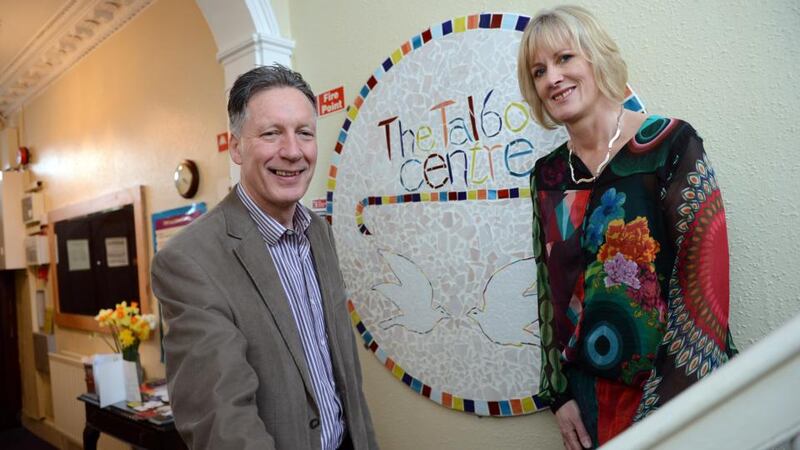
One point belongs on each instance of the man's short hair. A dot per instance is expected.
(257, 80)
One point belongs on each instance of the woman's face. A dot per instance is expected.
(564, 82)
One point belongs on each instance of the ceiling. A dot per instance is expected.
(40, 39)
(20, 22)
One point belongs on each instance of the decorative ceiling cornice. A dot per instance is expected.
(72, 33)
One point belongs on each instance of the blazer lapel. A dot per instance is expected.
(257, 262)
(325, 263)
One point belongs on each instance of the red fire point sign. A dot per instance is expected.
(222, 141)
(331, 101)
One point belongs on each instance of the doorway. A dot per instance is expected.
(10, 386)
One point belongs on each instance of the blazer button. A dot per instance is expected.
(314, 423)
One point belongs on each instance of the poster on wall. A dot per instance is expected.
(435, 237)
(167, 224)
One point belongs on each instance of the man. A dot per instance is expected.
(260, 352)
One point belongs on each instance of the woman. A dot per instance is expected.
(629, 238)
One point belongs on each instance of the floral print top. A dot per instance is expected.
(632, 268)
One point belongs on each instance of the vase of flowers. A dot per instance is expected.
(128, 329)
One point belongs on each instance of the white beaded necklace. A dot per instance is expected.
(605, 161)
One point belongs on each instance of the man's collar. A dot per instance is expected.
(270, 228)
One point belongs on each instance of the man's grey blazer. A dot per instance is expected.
(236, 369)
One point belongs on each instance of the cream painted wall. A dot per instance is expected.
(728, 67)
(281, 10)
(148, 97)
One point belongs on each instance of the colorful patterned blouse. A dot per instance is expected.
(633, 267)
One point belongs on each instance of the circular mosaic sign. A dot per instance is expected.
(430, 205)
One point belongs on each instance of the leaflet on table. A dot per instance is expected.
(115, 379)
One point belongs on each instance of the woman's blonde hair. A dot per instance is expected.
(576, 27)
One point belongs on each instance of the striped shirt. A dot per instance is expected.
(291, 254)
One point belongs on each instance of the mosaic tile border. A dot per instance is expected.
(502, 408)
(436, 197)
(502, 21)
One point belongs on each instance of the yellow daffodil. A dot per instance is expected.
(126, 338)
(128, 327)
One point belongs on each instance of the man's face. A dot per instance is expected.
(277, 150)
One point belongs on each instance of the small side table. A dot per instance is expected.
(142, 434)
